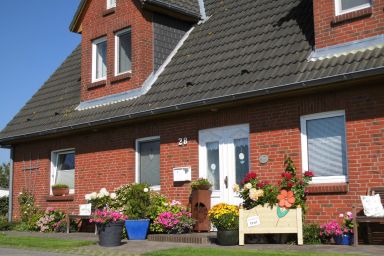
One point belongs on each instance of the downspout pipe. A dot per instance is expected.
(203, 14)
(10, 197)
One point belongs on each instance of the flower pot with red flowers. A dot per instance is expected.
(60, 189)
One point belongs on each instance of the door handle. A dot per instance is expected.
(226, 181)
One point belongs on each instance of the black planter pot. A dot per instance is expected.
(228, 237)
(110, 233)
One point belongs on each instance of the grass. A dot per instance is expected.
(41, 243)
(230, 252)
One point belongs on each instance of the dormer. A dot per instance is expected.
(346, 22)
(124, 42)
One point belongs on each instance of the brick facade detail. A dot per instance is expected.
(331, 29)
(106, 158)
(99, 22)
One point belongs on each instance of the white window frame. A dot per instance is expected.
(94, 58)
(111, 4)
(304, 146)
(137, 159)
(54, 159)
(339, 11)
(117, 53)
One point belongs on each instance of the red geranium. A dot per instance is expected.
(290, 184)
(248, 177)
(309, 174)
(286, 175)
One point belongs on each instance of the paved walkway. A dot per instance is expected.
(139, 247)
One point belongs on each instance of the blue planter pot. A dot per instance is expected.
(137, 229)
(345, 239)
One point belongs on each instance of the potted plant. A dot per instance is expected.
(134, 200)
(201, 184)
(341, 234)
(225, 218)
(109, 226)
(60, 189)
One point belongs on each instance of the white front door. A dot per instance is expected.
(224, 160)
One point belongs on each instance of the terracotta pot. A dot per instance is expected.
(60, 191)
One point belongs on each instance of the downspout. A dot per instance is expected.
(203, 15)
(10, 197)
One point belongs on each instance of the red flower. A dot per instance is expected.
(248, 177)
(309, 174)
(286, 175)
(290, 184)
(261, 184)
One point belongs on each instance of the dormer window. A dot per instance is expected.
(346, 6)
(111, 4)
(123, 60)
(99, 59)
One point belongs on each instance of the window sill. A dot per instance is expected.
(97, 84)
(351, 16)
(60, 198)
(122, 77)
(328, 188)
(109, 11)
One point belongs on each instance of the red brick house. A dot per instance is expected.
(219, 87)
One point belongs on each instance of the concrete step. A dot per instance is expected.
(191, 238)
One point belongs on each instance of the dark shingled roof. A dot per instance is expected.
(189, 6)
(247, 48)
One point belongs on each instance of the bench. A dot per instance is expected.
(84, 214)
(361, 218)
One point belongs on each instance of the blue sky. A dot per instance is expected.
(35, 41)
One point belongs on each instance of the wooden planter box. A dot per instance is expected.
(264, 220)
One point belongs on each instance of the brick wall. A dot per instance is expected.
(331, 29)
(105, 158)
(98, 22)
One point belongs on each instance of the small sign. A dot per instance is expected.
(85, 209)
(253, 221)
(263, 159)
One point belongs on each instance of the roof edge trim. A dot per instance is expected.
(221, 99)
(73, 27)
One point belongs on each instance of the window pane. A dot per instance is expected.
(213, 173)
(101, 59)
(150, 162)
(66, 177)
(66, 161)
(241, 158)
(348, 4)
(326, 146)
(125, 52)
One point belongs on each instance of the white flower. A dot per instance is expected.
(349, 214)
(93, 195)
(248, 186)
(341, 215)
(113, 195)
(254, 194)
(175, 202)
(146, 190)
(236, 188)
(104, 191)
(100, 195)
(88, 197)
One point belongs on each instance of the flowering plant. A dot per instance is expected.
(171, 223)
(51, 220)
(201, 183)
(105, 216)
(330, 229)
(101, 199)
(347, 226)
(133, 200)
(224, 216)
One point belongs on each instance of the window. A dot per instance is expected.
(148, 161)
(324, 146)
(345, 6)
(99, 59)
(111, 4)
(123, 61)
(63, 168)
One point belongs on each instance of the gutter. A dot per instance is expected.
(10, 197)
(205, 102)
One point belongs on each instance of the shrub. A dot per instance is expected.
(102, 199)
(27, 206)
(3, 206)
(175, 223)
(51, 220)
(158, 204)
(4, 224)
(133, 200)
(311, 234)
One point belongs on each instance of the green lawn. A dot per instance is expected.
(41, 243)
(229, 252)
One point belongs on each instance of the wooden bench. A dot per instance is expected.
(70, 217)
(361, 218)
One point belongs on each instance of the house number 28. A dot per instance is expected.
(183, 141)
